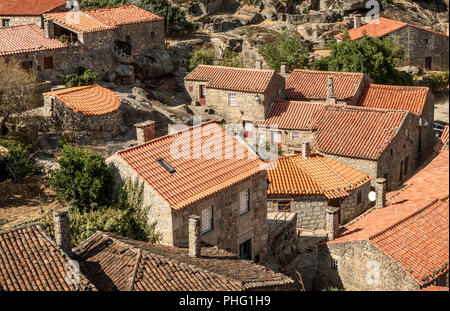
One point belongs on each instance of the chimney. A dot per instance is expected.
(356, 21)
(380, 189)
(62, 230)
(194, 236)
(332, 223)
(330, 91)
(145, 131)
(306, 150)
(49, 29)
(283, 68)
(259, 64)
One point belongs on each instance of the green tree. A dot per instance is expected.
(201, 57)
(17, 163)
(83, 180)
(288, 48)
(372, 56)
(83, 77)
(230, 59)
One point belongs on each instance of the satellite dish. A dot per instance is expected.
(372, 196)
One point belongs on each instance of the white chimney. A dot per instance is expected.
(145, 131)
(332, 222)
(62, 230)
(259, 64)
(283, 68)
(331, 98)
(194, 236)
(380, 189)
(306, 150)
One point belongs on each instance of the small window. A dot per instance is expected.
(426, 41)
(257, 258)
(334, 264)
(284, 206)
(392, 152)
(38, 67)
(295, 135)
(276, 137)
(152, 35)
(245, 250)
(244, 198)
(359, 197)
(166, 165)
(207, 220)
(232, 100)
(48, 62)
(6, 22)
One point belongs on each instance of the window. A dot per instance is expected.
(428, 62)
(232, 100)
(207, 220)
(295, 135)
(27, 66)
(248, 129)
(166, 165)
(257, 258)
(261, 139)
(405, 170)
(334, 264)
(359, 197)
(284, 206)
(276, 137)
(425, 41)
(48, 62)
(392, 152)
(244, 200)
(5, 22)
(152, 35)
(245, 250)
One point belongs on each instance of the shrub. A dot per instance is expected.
(230, 59)
(288, 48)
(83, 77)
(18, 162)
(437, 80)
(83, 179)
(201, 57)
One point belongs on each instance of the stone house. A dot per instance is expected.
(401, 244)
(115, 263)
(238, 95)
(85, 112)
(204, 171)
(308, 183)
(23, 12)
(424, 48)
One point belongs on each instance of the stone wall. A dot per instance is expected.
(289, 145)
(427, 135)
(21, 20)
(361, 266)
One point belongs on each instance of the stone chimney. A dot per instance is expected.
(332, 222)
(356, 21)
(259, 64)
(62, 230)
(330, 91)
(49, 29)
(380, 189)
(145, 131)
(306, 150)
(283, 69)
(194, 236)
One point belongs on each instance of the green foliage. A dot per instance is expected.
(175, 18)
(18, 162)
(201, 57)
(230, 59)
(288, 48)
(250, 32)
(127, 218)
(437, 80)
(372, 56)
(83, 179)
(83, 77)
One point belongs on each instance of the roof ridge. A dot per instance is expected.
(235, 68)
(70, 89)
(19, 227)
(135, 269)
(391, 86)
(327, 71)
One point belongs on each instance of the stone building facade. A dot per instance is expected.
(202, 192)
(235, 94)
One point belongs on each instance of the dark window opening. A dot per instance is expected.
(6, 22)
(426, 41)
(64, 35)
(392, 152)
(166, 165)
(359, 197)
(428, 61)
(48, 62)
(284, 206)
(405, 170)
(152, 35)
(245, 250)
(257, 258)
(334, 264)
(39, 68)
(27, 65)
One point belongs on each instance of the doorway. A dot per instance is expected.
(428, 63)
(245, 250)
(202, 95)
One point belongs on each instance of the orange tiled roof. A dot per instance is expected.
(355, 132)
(139, 266)
(312, 84)
(25, 39)
(317, 174)
(380, 28)
(103, 18)
(394, 97)
(292, 115)
(31, 261)
(198, 174)
(423, 188)
(435, 288)
(88, 100)
(230, 78)
(28, 7)
(442, 143)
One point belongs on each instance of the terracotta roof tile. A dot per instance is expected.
(442, 143)
(312, 84)
(115, 263)
(230, 78)
(421, 190)
(198, 173)
(28, 7)
(31, 261)
(25, 39)
(103, 18)
(88, 100)
(393, 97)
(355, 132)
(435, 288)
(379, 28)
(317, 174)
